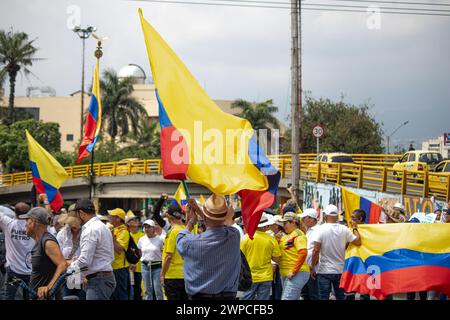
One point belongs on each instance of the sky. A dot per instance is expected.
(402, 67)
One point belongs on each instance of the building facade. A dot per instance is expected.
(66, 110)
(440, 144)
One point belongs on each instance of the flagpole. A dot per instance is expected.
(92, 174)
(98, 55)
(185, 188)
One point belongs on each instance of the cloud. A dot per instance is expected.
(245, 53)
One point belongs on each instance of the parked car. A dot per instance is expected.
(418, 160)
(328, 165)
(440, 182)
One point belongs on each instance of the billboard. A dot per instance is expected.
(447, 139)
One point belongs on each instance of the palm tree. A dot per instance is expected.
(16, 54)
(260, 115)
(121, 112)
(146, 138)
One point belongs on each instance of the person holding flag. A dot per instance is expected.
(48, 174)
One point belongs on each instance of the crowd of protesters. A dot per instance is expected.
(196, 252)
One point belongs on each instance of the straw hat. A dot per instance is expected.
(396, 214)
(70, 219)
(215, 208)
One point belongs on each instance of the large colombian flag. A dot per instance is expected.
(93, 121)
(353, 201)
(200, 141)
(399, 257)
(48, 174)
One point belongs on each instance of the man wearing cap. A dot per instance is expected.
(151, 246)
(172, 263)
(212, 259)
(120, 265)
(259, 253)
(96, 253)
(18, 247)
(329, 252)
(309, 220)
(136, 233)
(293, 266)
(47, 259)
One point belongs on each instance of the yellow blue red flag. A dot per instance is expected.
(353, 201)
(200, 141)
(48, 174)
(180, 196)
(93, 121)
(399, 257)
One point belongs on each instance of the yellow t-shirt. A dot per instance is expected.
(123, 238)
(290, 245)
(259, 253)
(136, 236)
(175, 270)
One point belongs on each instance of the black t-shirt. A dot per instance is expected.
(42, 267)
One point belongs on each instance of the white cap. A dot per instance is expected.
(331, 210)
(150, 223)
(266, 220)
(398, 205)
(277, 220)
(310, 212)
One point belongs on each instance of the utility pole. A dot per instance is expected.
(296, 94)
(83, 34)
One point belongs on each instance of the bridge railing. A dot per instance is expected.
(379, 177)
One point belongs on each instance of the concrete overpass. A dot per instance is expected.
(110, 189)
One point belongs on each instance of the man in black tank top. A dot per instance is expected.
(47, 260)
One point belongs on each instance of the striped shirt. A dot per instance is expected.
(212, 260)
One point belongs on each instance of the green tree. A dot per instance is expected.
(348, 128)
(16, 54)
(19, 115)
(145, 142)
(260, 115)
(13, 144)
(121, 112)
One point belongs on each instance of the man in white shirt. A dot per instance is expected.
(18, 248)
(96, 253)
(329, 252)
(309, 219)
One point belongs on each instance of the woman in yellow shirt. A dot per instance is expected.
(293, 266)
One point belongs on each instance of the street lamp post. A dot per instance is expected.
(389, 136)
(83, 33)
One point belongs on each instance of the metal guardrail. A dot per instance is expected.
(372, 172)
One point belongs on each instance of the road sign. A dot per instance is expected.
(317, 131)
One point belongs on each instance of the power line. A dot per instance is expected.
(315, 7)
(394, 2)
(306, 2)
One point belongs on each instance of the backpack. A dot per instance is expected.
(245, 276)
(133, 253)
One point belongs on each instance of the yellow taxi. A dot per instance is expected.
(418, 160)
(439, 182)
(328, 166)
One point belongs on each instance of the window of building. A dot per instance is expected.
(69, 137)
